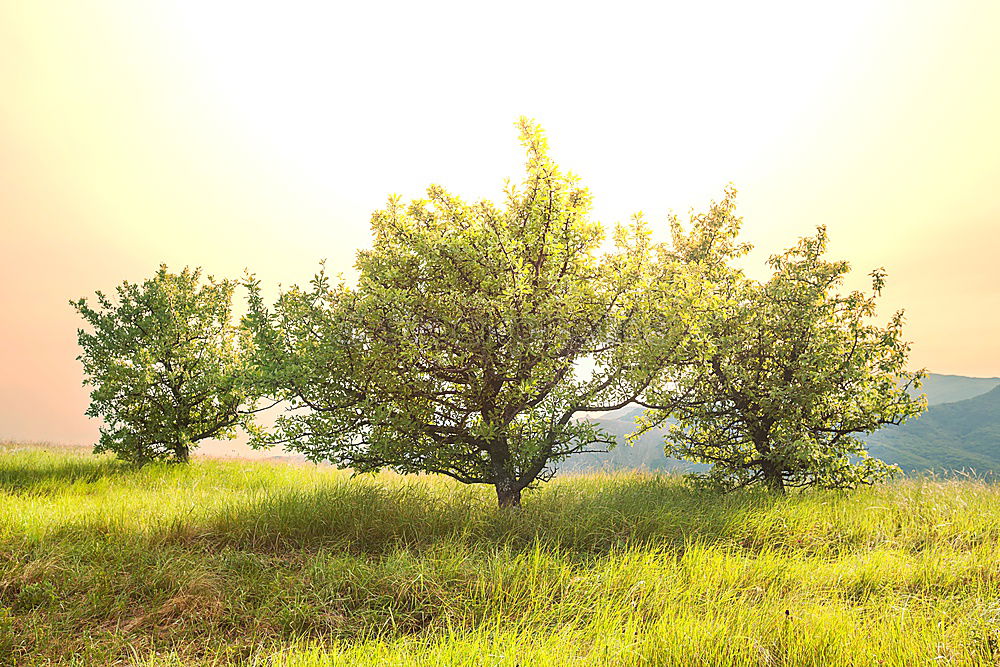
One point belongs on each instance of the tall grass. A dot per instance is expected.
(265, 564)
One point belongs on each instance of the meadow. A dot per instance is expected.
(257, 563)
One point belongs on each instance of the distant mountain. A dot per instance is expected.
(949, 436)
(952, 388)
(645, 454)
(960, 430)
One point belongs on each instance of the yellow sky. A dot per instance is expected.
(262, 136)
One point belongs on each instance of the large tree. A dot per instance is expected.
(165, 364)
(790, 373)
(477, 334)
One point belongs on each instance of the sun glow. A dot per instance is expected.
(262, 135)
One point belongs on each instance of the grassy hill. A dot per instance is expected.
(267, 564)
(963, 437)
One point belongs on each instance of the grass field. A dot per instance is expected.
(230, 562)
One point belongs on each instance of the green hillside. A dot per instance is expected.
(959, 431)
(964, 435)
(240, 563)
(645, 454)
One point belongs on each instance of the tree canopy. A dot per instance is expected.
(478, 336)
(789, 372)
(165, 365)
(475, 334)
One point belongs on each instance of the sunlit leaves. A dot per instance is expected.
(165, 364)
(790, 373)
(474, 335)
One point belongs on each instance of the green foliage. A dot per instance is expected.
(789, 372)
(240, 563)
(459, 351)
(166, 366)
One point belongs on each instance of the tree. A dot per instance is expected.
(474, 336)
(165, 364)
(789, 373)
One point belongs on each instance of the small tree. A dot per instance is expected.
(789, 373)
(474, 336)
(165, 365)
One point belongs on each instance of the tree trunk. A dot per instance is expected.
(182, 454)
(777, 484)
(508, 490)
(508, 495)
(774, 478)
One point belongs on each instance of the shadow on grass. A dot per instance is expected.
(42, 472)
(589, 516)
(377, 515)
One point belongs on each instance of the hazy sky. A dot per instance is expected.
(263, 135)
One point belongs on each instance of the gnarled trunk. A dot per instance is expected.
(508, 489)
(774, 475)
(776, 484)
(508, 493)
(774, 478)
